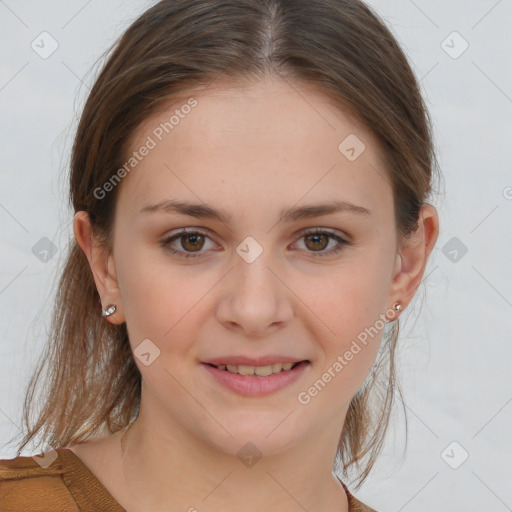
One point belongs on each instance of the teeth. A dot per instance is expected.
(245, 370)
(261, 371)
(264, 371)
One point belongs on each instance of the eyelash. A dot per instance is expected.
(337, 249)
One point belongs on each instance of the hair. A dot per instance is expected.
(340, 46)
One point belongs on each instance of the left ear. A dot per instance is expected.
(413, 256)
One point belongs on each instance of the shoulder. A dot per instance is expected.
(34, 484)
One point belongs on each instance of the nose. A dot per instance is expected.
(255, 299)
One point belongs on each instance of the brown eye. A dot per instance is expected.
(187, 244)
(192, 242)
(317, 241)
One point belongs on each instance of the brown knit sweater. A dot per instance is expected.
(67, 485)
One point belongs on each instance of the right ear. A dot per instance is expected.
(101, 261)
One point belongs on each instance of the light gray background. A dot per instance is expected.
(454, 359)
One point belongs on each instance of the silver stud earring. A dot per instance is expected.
(397, 306)
(111, 309)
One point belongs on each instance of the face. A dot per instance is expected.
(269, 278)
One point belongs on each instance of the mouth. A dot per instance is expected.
(254, 381)
(257, 371)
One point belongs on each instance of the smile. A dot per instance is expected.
(260, 371)
(256, 380)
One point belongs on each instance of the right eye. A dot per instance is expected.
(192, 241)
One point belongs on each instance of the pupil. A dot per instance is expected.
(194, 243)
(316, 240)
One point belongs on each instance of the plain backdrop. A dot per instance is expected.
(455, 348)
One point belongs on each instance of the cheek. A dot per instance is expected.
(346, 300)
(349, 329)
(162, 301)
(348, 304)
(149, 300)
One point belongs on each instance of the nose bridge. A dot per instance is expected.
(257, 285)
(255, 278)
(256, 299)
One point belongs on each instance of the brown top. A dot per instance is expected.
(66, 484)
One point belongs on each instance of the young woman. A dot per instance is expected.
(250, 183)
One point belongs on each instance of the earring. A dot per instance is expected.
(397, 306)
(111, 309)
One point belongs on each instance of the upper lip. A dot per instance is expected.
(253, 361)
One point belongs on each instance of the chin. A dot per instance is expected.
(254, 434)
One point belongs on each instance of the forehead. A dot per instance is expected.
(270, 139)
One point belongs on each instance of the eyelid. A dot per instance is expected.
(188, 231)
(320, 229)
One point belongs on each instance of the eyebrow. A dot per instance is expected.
(294, 214)
(203, 211)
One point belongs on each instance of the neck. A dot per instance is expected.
(194, 476)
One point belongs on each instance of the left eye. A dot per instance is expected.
(319, 240)
(193, 241)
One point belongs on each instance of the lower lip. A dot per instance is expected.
(253, 385)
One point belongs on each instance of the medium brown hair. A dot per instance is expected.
(93, 384)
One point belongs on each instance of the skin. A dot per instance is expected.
(251, 150)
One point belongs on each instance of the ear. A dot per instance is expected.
(101, 261)
(412, 257)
